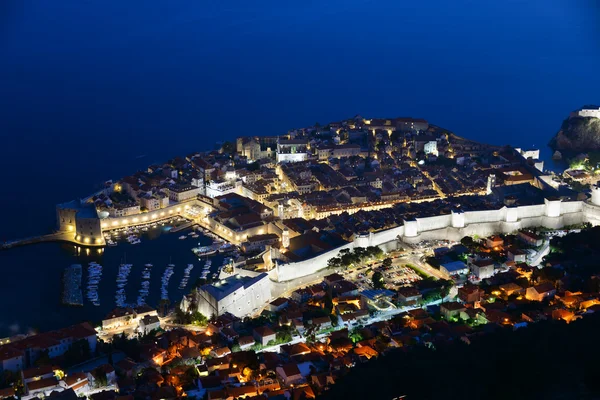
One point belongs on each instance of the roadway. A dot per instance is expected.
(381, 316)
(539, 257)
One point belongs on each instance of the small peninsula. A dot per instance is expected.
(580, 133)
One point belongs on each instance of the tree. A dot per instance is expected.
(467, 241)
(387, 262)
(355, 336)
(283, 337)
(228, 147)
(197, 318)
(43, 359)
(78, 352)
(377, 279)
(100, 379)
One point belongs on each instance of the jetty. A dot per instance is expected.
(182, 227)
(52, 237)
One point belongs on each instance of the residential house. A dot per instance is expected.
(118, 318)
(494, 242)
(104, 369)
(37, 373)
(126, 367)
(451, 309)
(321, 322)
(510, 288)
(322, 380)
(333, 278)
(532, 239)
(148, 324)
(409, 295)
(344, 288)
(11, 359)
(517, 255)
(469, 293)
(245, 342)
(289, 373)
(54, 343)
(220, 352)
(42, 387)
(263, 335)
(229, 334)
(454, 268)
(540, 292)
(8, 393)
(78, 382)
(278, 304)
(483, 269)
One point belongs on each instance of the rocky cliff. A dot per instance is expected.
(577, 135)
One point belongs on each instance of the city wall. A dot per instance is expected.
(553, 214)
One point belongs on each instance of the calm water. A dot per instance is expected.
(94, 90)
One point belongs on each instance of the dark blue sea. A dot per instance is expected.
(94, 90)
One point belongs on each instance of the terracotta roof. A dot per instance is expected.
(7, 352)
(291, 369)
(38, 371)
(544, 287)
(222, 351)
(264, 331)
(126, 364)
(7, 392)
(42, 383)
(75, 378)
(245, 340)
(453, 306)
(119, 312)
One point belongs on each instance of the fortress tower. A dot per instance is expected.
(285, 238)
(490, 183)
(596, 194)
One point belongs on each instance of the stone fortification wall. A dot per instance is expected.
(552, 214)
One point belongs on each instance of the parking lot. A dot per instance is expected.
(395, 276)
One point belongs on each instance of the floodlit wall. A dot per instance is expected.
(481, 223)
(571, 206)
(431, 223)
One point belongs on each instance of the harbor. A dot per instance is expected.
(158, 246)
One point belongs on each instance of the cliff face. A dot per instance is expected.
(577, 135)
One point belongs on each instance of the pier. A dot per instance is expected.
(52, 237)
(187, 225)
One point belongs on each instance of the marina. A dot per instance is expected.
(186, 276)
(98, 282)
(123, 274)
(164, 288)
(94, 276)
(145, 290)
(72, 295)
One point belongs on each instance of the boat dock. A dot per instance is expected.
(72, 295)
(187, 225)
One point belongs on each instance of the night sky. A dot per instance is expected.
(89, 86)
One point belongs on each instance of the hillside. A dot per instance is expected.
(577, 135)
(547, 360)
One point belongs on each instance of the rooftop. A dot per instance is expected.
(225, 287)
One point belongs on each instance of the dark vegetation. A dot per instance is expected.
(547, 360)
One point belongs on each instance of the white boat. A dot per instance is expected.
(182, 237)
